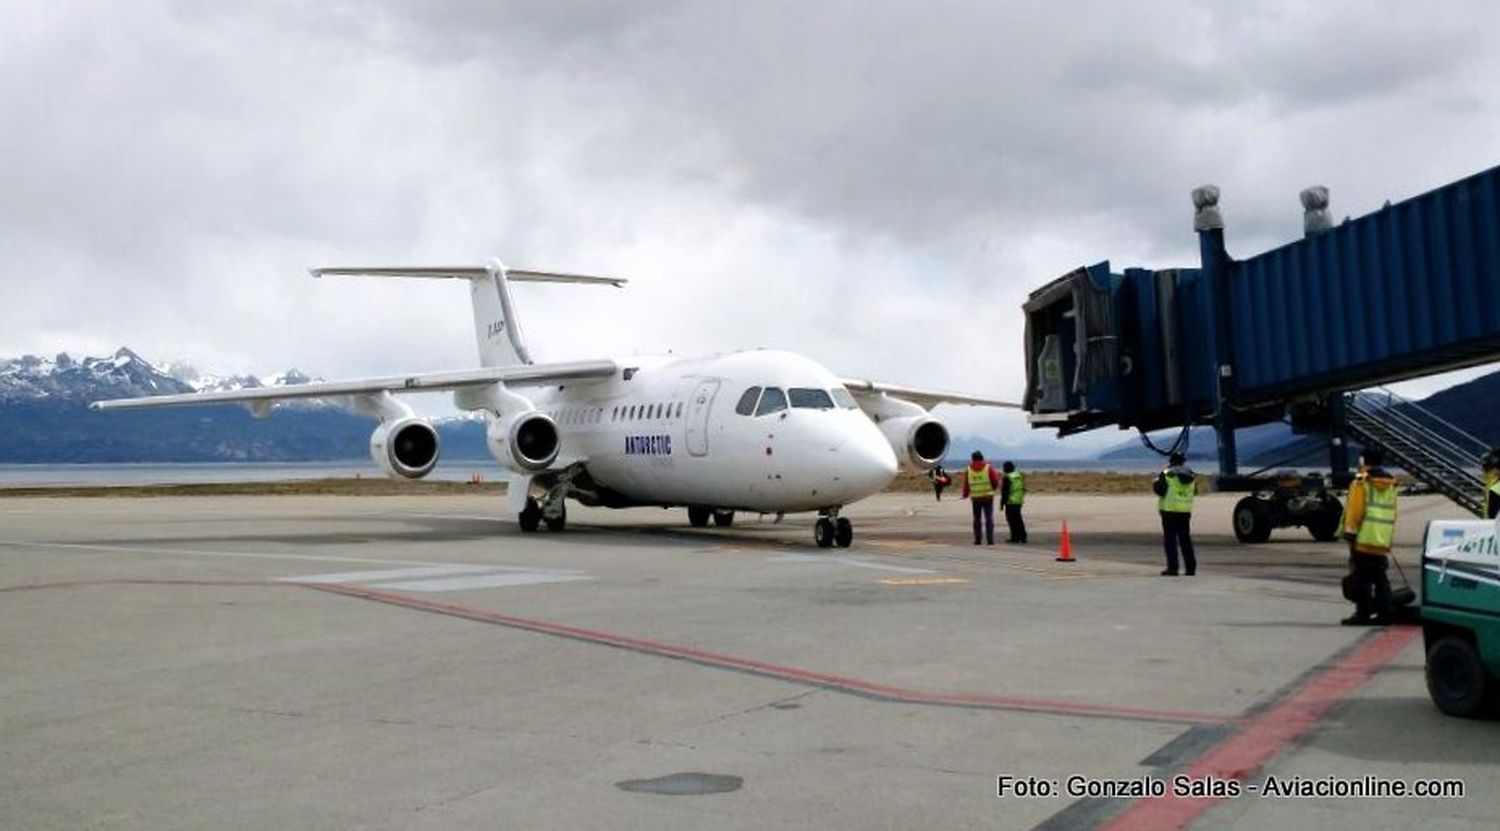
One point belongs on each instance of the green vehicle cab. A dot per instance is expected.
(1461, 615)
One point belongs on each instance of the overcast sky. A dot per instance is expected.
(875, 184)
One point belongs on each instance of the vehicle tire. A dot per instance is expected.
(823, 532)
(723, 519)
(1456, 678)
(1324, 527)
(698, 516)
(531, 516)
(1252, 520)
(843, 533)
(558, 522)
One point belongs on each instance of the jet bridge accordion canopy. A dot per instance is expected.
(1409, 290)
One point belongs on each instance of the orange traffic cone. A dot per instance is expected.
(1065, 548)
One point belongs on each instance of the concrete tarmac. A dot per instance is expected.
(417, 662)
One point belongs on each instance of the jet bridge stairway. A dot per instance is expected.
(1438, 454)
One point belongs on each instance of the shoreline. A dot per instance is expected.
(905, 482)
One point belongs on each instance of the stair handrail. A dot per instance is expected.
(1395, 410)
(1406, 406)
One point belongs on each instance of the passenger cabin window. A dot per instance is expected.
(810, 399)
(679, 409)
(844, 399)
(771, 401)
(747, 401)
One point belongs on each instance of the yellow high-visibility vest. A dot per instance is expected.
(979, 483)
(1378, 528)
(1179, 496)
(1017, 488)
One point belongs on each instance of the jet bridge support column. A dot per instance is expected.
(1209, 223)
(1338, 440)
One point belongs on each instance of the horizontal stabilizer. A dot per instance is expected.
(466, 272)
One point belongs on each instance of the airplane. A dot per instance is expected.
(762, 431)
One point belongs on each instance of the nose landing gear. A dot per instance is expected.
(832, 529)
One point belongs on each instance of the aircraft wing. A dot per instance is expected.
(521, 375)
(925, 397)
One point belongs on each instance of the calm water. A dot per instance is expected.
(182, 474)
(460, 470)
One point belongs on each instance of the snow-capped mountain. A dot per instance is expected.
(121, 375)
(203, 382)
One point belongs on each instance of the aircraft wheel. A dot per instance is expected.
(843, 533)
(698, 516)
(823, 532)
(1456, 677)
(557, 523)
(723, 519)
(531, 516)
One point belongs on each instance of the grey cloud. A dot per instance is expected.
(779, 173)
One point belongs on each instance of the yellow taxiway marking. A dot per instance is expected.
(922, 581)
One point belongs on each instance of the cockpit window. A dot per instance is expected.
(772, 400)
(809, 399)
(747, 401)
(844, 399)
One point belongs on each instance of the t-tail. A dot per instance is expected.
(496, 326)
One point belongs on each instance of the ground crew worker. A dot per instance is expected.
(980, 483)
(940, 480)
(1369, 527)
(1174, 489)
(1491, 463)
(1012, 496)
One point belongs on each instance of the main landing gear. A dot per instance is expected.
(699, 515)
(551, 507)
(832, 529)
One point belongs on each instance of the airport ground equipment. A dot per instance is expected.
(1292, 334)
(1461, 615)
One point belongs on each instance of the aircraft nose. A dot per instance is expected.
(866, 464)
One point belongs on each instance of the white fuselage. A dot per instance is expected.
(674, 431)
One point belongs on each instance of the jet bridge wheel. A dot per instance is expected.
(698, 516)
(531, 516)
(1325, 526)
(1252, 520)
(824, 532)
(723, 519)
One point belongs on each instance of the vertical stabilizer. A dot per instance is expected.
(495, 324)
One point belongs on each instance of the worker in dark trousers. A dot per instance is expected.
(1012, 496)
(1174, 489)
(1491, 463)
(940, 480)
(980, 483)
(1370, 528)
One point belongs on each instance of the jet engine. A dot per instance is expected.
(527, 441)
(405, 447)
(919, 441)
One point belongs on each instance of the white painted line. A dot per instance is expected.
(192, 552)
(483, 581)
(387, 574)
(848, 561)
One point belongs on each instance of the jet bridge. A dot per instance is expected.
(1410, 290)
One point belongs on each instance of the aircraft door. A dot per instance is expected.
(697, 420)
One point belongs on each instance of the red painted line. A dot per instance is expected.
(855, 686)
(786, 673)
(1264, 736)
